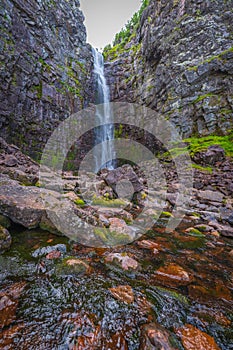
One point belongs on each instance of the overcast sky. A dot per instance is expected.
(105, 18)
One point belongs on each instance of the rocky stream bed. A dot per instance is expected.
(168, 289)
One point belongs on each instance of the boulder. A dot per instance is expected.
(211, 156)
(192, 336)
(125, 172)
(123, 293)
(155, 337)
(210, 196)
(17, 165)
(25, 205)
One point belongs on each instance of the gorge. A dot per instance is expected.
(114, 287)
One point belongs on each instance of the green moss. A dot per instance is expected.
(199, 144)
(166, 214)
(202, 97)
(38, 89)
(201, 168)
(111, 238)
(196, 233)
(79, 202)
(105, 202)
(183, 299)
(212, 58)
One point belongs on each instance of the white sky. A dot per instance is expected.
(105, 18)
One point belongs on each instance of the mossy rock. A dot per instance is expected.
(79, 202)
(5, 221)
(111, 203)
(111, 238)
(72, 266)
(5, 239)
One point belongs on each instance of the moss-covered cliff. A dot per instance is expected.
(45, 69)
(178, 60)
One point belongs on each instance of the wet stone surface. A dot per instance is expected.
(56, 294)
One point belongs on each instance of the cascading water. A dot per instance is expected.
(104, 115)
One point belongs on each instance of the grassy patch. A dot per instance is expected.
(105, 202)
(207, 169)
(202, 143)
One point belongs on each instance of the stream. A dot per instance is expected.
(54, 303)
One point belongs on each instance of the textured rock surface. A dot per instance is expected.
(17, 165)
(45, 70)
(180, 63)
(5, 239)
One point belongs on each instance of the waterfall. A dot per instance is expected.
(104, 115)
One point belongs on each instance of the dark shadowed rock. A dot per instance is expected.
(5, 239)
(46, 70)
(155, 337)
(211, 156)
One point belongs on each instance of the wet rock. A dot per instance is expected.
(73, 265)
(192, 336)
(173, 273)
(155, 337)
(48, 250)
(8, 335)
(9, 299)
(125, 261)
(148, 244)
(5, 221)
(55, 254)
(117, 341)
(85, 333)
(123, 293)
(5, 239)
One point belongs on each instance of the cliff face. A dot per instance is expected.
(45, 69)
(179, 62)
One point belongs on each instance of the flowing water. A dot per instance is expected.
(47, 305)
(104, 116)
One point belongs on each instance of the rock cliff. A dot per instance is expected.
(45, 69)
(179, 62)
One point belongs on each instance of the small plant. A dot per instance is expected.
(79, 202)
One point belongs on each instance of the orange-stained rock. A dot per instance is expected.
(148, 244)
(9, 303)
(144, 305)
(199, 292)
(173, 273)
(222, 291)
(123, 293)
(194, 339)
(55, 254)
(155, 337)
(117, 341)
(219, 317)
(7, 336)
